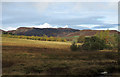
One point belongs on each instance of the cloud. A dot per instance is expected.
(53, 13)
(10, 28)
(77, 20)
(45, 25)
(60, 0)
(105, 26)
(96, 6)
(115, 28)
(78, 15)
(87, 26)
(66, 26)
(80, 27)
(41, 7)
(99, 27)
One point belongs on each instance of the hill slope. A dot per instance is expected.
(42, 31)
(56, 32)
(89, 32)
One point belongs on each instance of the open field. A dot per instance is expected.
(32, 57)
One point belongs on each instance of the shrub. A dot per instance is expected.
(81, 39)
(94, 43)
(73, 47)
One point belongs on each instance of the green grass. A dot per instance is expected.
(31, 57)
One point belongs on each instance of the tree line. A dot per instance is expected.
(41, 38)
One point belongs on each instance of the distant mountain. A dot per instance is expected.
(10, 31)
(89, 32)
(43, 31)
(2, 31)
(56, 32)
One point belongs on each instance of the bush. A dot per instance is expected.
(94, 43)
(73, 47)
(81, 39)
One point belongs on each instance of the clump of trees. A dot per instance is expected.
(100, 41)
(90, 43)
(110, 39)
(42, 38)
(94, 43)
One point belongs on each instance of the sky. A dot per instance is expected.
(77, 15)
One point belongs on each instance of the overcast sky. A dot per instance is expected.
(77, 15)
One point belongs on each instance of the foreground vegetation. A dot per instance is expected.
(32, 57)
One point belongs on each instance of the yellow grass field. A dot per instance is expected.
(32, 57)
(34, 43)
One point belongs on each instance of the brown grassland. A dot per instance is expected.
(32, 57)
